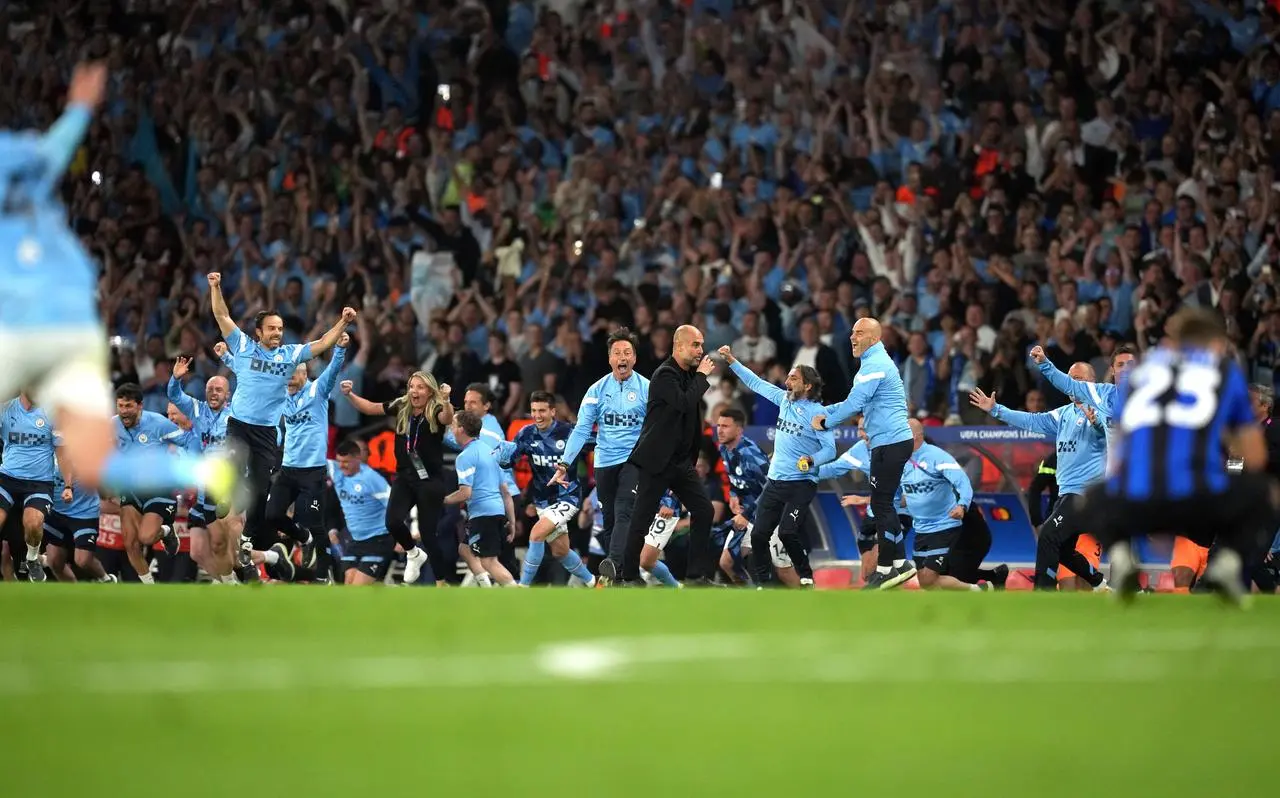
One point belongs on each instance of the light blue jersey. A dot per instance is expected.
(1101, 395)
(84, 503)
(188, 440)
(306, 417)
(618, 409)
(492, 435)
(1082, 447)
(856, 458)
(209, 427)
(795, 436)
(934, 484)
(478, 469)
(29, 443)
(262, 378)
(878, 395)
(363, 497)
(46, 277)
(152, 429)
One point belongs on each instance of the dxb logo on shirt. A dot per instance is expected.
(274, 369)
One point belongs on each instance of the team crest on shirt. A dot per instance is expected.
(738, 470)
(40, 422)
(1079, 422)
(631, 396)
(358, 488)
(560, 445)
(279, 358)
(142, 438)
(923, 465)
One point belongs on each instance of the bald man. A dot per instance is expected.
(878, 395)
(209, 546)
(665, 455)
(1080, 431)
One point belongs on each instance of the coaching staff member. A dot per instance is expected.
(666, 452)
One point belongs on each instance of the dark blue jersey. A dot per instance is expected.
(545, 449)
(1177, 407)
(748, 469)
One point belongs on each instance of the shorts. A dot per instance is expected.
(660, 531)
(559, 515)
(201, 515)
(164, 506)
(933, 549)
(1091, 549)
(25, 493)
(738, 539)
(1187, 554)
(371, 557)
(63, 368)
(485, 534)
(71, 533)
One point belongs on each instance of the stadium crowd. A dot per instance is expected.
(498, 187)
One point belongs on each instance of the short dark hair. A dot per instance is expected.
(131, 391)
(486, 393)
(263, 315)
(735, 415)
(1195, 327)
(469, 422)
(542, 396)
(622, 334)
(348, 447)
(809, 376)
(1123, 349)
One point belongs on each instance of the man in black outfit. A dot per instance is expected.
(666, 452)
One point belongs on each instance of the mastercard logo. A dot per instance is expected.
(1000, 514)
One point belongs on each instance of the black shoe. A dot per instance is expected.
(895, 577)
(35, 571)
(284, 569)
(630, 583)
(875, 581)
(309, 553)
(244, 569)
(1000, 575)
(608, 573)
(700, 581)
(169, 539)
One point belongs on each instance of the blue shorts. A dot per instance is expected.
(371, 556)
(24, 493)
(164, 506)
(71, 533)
(932, 549)
(201, 515)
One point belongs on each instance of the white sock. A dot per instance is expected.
(33, 552)
(975, 587)
(883, 569)
(416, 553)
(899, 563)
(146, 579)
(484, 580)
(271, 557)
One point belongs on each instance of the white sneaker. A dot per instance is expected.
(414, 561)
(1103, 588)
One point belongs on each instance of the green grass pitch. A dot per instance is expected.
(201, 691)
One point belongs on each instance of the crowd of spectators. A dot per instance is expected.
(499, 185)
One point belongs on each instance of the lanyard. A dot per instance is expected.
(415, 426)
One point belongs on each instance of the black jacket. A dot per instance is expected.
(672, 431)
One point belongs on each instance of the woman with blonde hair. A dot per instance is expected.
(422, 416)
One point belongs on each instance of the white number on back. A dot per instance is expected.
(1152, 380)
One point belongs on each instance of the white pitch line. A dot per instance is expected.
(917, 657)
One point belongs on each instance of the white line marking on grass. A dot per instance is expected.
(916, 657)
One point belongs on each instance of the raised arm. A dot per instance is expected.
(330, 339)
(1101, 395)
(864, 387)
(329, 377)
(360, 403)
(181, 400)
(1046, 423)
(61, 141)
(751, 381)
(221, 314)
(665, 390)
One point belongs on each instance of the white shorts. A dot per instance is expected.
(660, 531)
(777, 552)
(63, 369)
(558, 514)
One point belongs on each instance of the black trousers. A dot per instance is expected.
(783, 506)
(683, 481)
(303, 489)
(970, 548)
(256, 447)
(1057, 543)
(887, 463)
(427, 495)
(616, 490)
